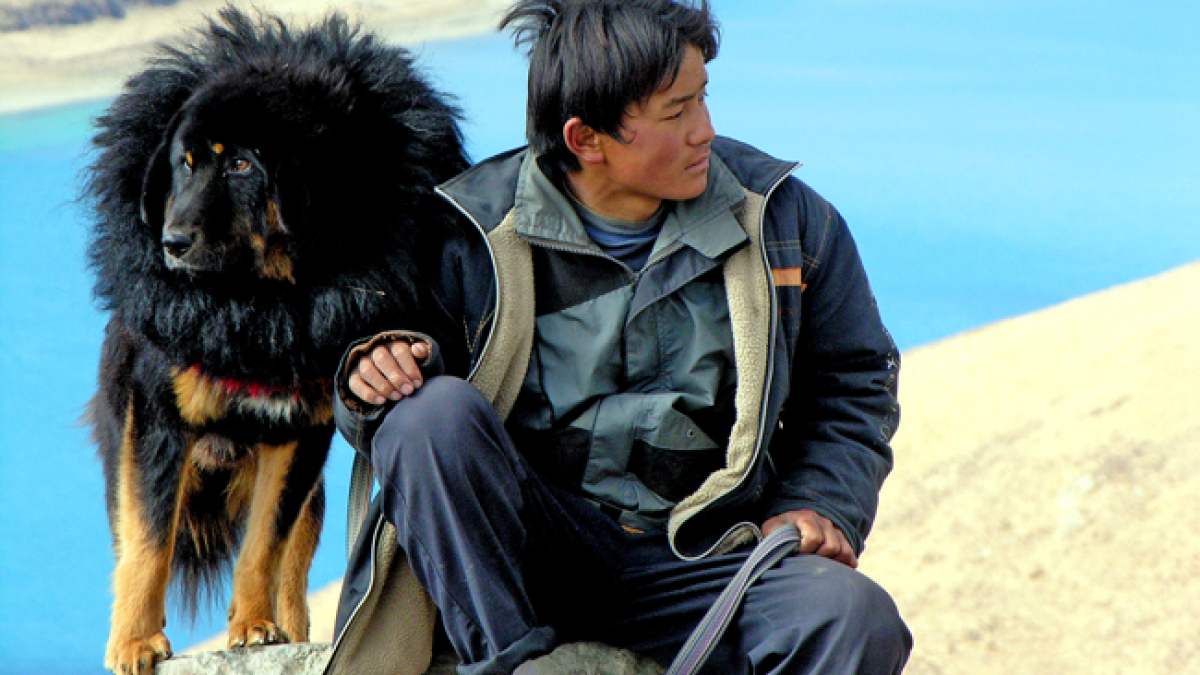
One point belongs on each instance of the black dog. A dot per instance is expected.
(263, 196)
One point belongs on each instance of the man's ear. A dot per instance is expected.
(583, 141)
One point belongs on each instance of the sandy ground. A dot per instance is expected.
(1043, 513)
(1041, 518)
(49, 66)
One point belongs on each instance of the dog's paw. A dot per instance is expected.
(137, 656)
(260, 632)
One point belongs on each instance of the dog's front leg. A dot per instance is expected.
(303, 503)
(147, 488)
(256, 574)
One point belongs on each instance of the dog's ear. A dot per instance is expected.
(156, 183)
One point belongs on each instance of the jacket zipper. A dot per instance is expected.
(357, 607)
(762, 416)
(496, 281)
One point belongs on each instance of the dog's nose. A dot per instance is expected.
(176, 244)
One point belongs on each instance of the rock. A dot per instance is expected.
(307, 658)
(581, 658)
(593, 658)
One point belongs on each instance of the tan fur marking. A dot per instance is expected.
(292, 606)
(322, 410)
(240, 489)
(200, 399)
(142, 572)
(274, 220)
(218, 148)
(274, 261)
(278, 265)
(256, 574)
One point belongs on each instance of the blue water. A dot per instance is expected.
(992, 159)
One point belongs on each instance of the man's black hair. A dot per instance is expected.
(592, 59)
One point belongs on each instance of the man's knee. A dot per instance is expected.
(430, 425)
(871, 619)
(820, 609)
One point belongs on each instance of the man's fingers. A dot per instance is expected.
(393, 382)
(818, 536)
(388, 371)
(835, 547)
(811, 536)
(364, 391)
(379, 386)
(405, 355)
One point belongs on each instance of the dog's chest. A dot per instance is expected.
(249, 411)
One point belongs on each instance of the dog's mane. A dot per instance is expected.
(362, 197)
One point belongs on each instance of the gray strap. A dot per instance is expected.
(704, 638)
(361, 482)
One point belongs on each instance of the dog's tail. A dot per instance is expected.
(205, 546)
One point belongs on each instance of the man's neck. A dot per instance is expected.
(608, 199)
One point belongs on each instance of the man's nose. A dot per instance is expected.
(703, 132)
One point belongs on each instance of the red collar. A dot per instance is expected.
(253, 389)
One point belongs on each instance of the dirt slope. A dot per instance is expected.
(1043, 514)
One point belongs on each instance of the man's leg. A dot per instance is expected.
(808, 615)
(480, 528)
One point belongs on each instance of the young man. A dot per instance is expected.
(669, 347)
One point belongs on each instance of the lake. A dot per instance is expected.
(991, 159)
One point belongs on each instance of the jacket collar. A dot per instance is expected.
(486, 192)
(707, 223)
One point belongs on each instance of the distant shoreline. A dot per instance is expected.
(51, 66)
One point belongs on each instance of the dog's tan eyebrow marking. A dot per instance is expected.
(218, 148)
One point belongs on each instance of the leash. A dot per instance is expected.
(708, 632)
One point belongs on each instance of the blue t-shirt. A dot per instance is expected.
(629, 241)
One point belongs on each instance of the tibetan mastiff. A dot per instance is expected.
(263, 195)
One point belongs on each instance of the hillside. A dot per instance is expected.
(58, 51)
(1043, 513)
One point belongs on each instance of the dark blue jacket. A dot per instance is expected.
(817, 371)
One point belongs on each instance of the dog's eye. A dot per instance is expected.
(188, 160)
(241, 165)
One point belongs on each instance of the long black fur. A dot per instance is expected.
(356, 140)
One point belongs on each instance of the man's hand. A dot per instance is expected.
(817, 535)
(388, 371)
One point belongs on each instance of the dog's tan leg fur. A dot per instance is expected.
(256, 575)
(293, 586)
(136, 640)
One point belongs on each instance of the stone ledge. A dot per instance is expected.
(299, 659)
(310, 659)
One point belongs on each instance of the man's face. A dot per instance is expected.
(665, 147)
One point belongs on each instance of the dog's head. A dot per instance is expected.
(212, 189)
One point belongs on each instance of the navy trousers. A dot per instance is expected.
(518, 565)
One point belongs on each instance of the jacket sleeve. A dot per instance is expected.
(832, 449)
(357, 420)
